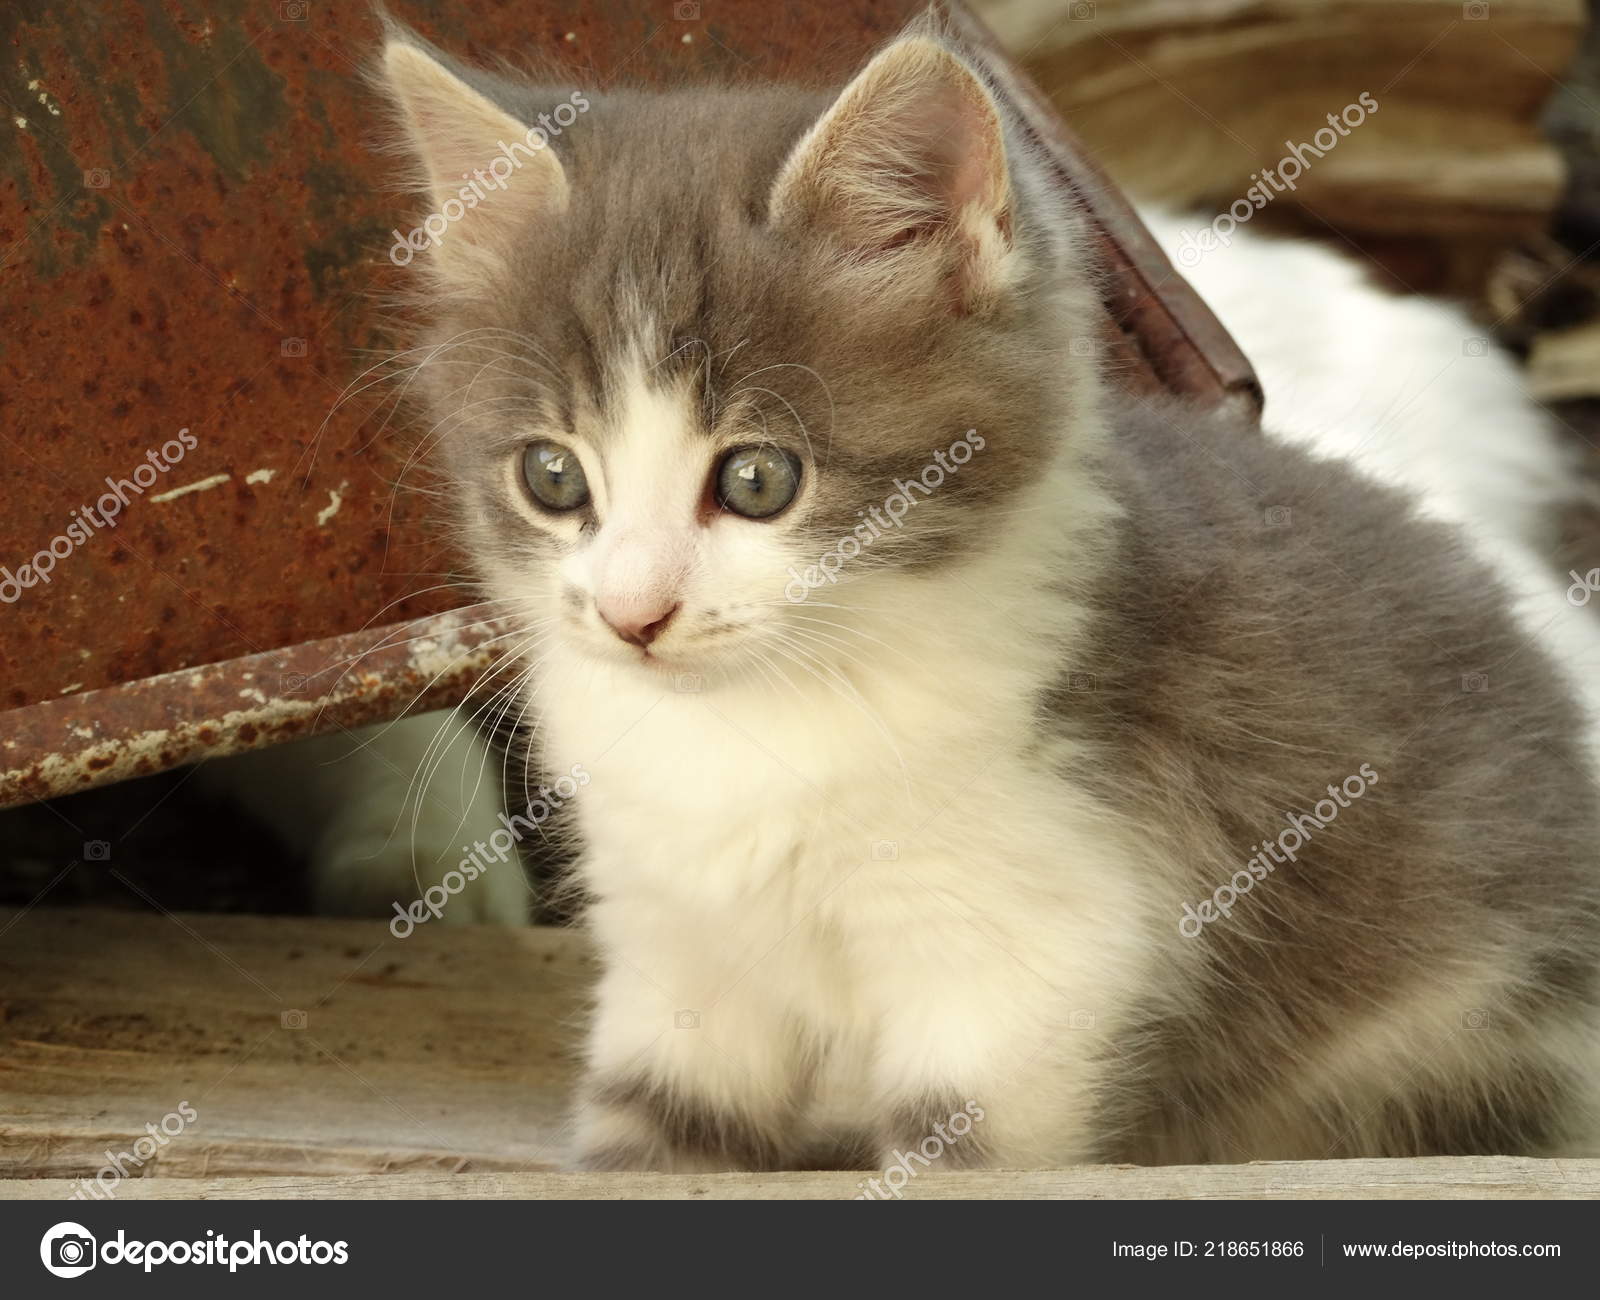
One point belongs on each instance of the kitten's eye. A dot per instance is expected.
(757, 482)
(554, 476)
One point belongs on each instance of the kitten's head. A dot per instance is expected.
(708, 369)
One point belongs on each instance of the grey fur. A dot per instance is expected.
(1478, 841)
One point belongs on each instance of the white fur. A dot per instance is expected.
(747, 928)
(652, 554)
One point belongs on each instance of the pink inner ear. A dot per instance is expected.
(912, 150)
(953, 135)
(964, 152)
(457, 131)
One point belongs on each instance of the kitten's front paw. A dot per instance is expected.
(635, 1124)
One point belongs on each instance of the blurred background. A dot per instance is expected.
(1476, 178)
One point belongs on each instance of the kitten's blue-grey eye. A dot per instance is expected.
(757, 482)
(555, 476)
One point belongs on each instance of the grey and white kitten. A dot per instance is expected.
(968, 736)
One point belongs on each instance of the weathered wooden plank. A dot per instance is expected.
(434, 1066)
(1188, 102)
(1441, 1178)
(303, 1046)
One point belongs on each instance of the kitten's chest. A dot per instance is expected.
(811, 881)
(696, 800)
(709, 797)
(709, 803)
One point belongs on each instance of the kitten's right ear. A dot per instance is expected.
(908, 170)
(488, 174)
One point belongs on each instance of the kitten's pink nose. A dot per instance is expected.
(638, 622)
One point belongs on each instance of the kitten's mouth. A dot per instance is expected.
(680, 670)
(677, 663)
(648, 660)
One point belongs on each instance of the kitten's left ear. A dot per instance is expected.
(455, 131)
(910, 159)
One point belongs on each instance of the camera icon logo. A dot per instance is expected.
(97, 851)
(68, 1250)
(293, 1019)
(688, 683)
(686, 1020)
(1081, 1020)
(292, 348)
(687, 11)
(1474, 683)
(1081, 347)
(97, 178)
(886, 850)
(294, 11)
(1582, 587)
(1476, 1018)
(1475, 347)
(1278, 516)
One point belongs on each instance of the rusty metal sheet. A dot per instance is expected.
(193, 230)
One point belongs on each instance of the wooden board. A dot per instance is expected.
(445, 1050)
(1493, 1178)
(430, 1067)
(1185, 103)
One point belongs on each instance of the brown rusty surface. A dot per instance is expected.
(192, 228)
(96, 737)
(192, 224)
